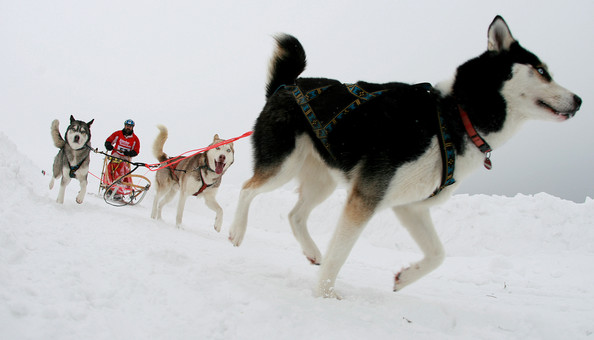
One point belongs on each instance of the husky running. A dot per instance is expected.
(399, 146)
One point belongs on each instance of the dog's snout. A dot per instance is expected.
(222, 158)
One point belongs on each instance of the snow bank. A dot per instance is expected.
(517, 268)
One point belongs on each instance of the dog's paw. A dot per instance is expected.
(235, 238)
(51, 184)
(400, 280)
(315, 260)
(328, 293)
(218, 224)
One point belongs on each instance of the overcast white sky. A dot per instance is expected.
(199, 67)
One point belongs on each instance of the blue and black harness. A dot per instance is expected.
(324, 125)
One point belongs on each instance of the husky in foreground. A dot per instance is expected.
(198, 175)
(399, 146)
(72, 161)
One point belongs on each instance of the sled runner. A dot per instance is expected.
(124, 189)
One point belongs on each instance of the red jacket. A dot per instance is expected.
(123, 143)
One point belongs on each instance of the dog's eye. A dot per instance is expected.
(228, 150)
(543, 72)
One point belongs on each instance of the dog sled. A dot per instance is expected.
(125, 189)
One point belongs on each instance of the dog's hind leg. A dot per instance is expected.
(316, 185)
(56, 169)
(63, 184)
(267, 178)
(417, 220)
(180, 208)
(357, 212)
(162, 200)
(83, 189)
(261, 182)
(157, 205)
(155, 211)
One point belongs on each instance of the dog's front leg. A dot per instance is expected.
(355, 216)
(314, 189)
(417, 220)
(211, 202)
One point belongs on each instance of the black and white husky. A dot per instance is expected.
(72, 161)
(396, 145)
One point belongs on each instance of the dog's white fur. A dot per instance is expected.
(411, 185)
(188, 180)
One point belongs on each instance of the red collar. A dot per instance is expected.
(476, 138)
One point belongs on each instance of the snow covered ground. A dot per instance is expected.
(517, 268)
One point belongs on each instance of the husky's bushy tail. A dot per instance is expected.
(159, 142)
(286, 64)
(56, 136)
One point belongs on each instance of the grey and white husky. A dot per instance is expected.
(72, 161)
(399, 146)
(198, 175)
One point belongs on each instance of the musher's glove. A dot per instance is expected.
(130, 153)
(108, 146)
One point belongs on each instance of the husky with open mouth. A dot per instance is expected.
(198, 175)
(399, 146)
(72, 161)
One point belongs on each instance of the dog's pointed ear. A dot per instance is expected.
(216, 136)
(72, 120)
(91, 122)
(500, 37)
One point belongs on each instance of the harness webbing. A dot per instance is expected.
(76, 167)
(448, 154)
(323, 129)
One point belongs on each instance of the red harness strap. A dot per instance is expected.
(172, 168)
(204, 185)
